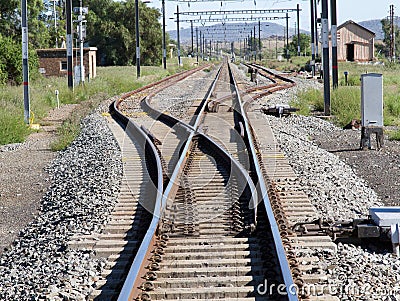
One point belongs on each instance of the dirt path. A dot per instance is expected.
(23, 177)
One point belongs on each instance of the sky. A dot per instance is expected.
(356, 10)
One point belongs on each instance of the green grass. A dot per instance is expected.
(346, 104)
(308, 101)
(345, 101)
(110, 81)
(294, 64)
(394, 135)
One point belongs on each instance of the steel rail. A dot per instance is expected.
(137, 268)
(135, 131)
(283, 261)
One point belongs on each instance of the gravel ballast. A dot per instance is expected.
(85, 182)
(338, 193)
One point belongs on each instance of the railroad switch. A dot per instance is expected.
(382, 225)
(279, 110)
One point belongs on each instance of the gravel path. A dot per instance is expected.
(84, 183)
(23, 176)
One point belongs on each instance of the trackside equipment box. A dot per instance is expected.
(371, 100)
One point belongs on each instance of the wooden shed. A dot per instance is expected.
(355, 42)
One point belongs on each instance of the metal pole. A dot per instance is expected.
(312, 38)
(316, 28)
(325, 57)
(80, 19)
(240, 49)
(179, 41)
(25, 64)
(298, 29)
(259, 39)
(245, 48)
(191, 31)
(210, 49)
(68, 7)
(334, 45)
(164, 42)
(391, 32)
(204, 46)
(55, 21)
(276, 48)
(137, 38)
(201, 45)
(287, 36)
(197, 45)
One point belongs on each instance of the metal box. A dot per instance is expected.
(385, 216)
(371, 100)
(368, 231)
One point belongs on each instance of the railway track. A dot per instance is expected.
(206, 202)
(218, 228)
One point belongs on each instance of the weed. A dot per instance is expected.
(394, 135)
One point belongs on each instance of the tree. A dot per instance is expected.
(305, 41)
(111, 28)
(385, 48)
(11, 61)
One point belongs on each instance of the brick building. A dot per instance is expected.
(53, 62)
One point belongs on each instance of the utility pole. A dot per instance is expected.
(246, 43)
(334, 45)
(312, 63)
(240, 49)
(164, 42)
(254, 44)
(197, 45)
(316, 28)
(325, 58)
(204, 46)
(392, 53)
(298, 29)
(287, 36)
(25, 64)
(68, 7)
(201, 46)
(259, 40)
(137, 38)
(191, 31)
(80, 22)
(55, 20)
(179, 41)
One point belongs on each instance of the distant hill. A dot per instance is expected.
(376, 26)
(268, 29)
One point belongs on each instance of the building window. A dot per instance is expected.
(63, 66)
